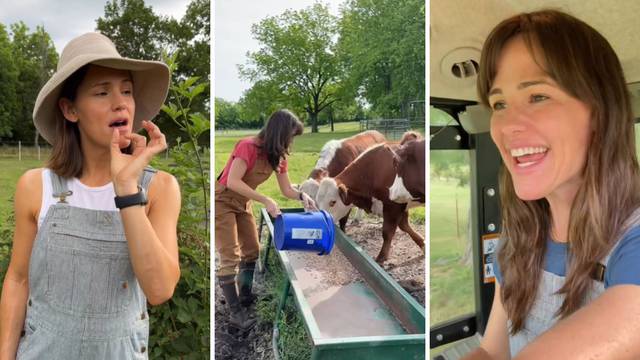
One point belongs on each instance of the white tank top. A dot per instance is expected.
(95, 198)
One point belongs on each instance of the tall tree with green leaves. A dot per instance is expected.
(8, 84)
(297, 57)
(35, 58)
(133, 27)
(382, 47)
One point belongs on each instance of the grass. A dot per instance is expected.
(452, 289)
(12, 169)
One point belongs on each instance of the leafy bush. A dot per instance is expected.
(180, 329)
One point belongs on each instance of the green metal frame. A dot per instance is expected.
(403, 305)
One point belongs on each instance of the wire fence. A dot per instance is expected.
(21, 150)
(391, 128)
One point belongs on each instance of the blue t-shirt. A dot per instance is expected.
(623, 266)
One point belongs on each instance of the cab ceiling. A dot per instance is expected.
(458, 29)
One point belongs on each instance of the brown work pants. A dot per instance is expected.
(236, 232)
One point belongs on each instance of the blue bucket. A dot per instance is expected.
(309, 231)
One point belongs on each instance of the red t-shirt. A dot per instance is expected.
(247, 150)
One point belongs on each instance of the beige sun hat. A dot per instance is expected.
(150, 81)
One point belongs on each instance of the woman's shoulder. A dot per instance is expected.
(250, 140)
(163, 184)
(30, 180)
(28, 194)
(164, 179)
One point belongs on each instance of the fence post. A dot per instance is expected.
(19, 150)
(166, 153)
(38, 152)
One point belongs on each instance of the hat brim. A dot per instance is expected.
(150, 88)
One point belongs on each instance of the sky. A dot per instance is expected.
(232, 37)
(66, 19)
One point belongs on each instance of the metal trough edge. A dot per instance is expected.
(406, 309)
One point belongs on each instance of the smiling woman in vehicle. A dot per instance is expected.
(569, 256)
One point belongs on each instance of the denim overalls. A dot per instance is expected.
(84, 299)
(542, 315)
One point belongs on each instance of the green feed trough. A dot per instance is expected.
(351, 308)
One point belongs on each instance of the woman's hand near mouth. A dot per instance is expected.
(126, 169)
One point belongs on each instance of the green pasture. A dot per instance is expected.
(452, 289)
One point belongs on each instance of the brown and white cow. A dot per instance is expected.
(408, 185)
(335, 156)
(366, 183)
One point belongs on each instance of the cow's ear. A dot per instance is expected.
(344, 194)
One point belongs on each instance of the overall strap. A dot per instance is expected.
(146, 177)
(60, 189)
(632, 221)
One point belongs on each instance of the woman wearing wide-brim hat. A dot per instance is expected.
(95, 235)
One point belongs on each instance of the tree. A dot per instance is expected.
(259, 102)
(35, 58)
(227, 115)
(133, 27)
(8, 82)
(381, 47)
(297, 57)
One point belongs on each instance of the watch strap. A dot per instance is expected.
(139, 198)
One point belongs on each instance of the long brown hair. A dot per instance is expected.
(583, 63)
(277, 135)
(66, 156)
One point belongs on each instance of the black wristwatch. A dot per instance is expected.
(139, 198)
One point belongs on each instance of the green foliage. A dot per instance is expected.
(382, 47)
(180, 329)
(133, 27)
(35, 58)
(8, 82)
(297, 58)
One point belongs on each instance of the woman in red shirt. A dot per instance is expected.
(251, 163)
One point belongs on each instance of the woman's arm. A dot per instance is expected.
(152, 237)
(153, 240)
(607, 328)
(15, 289)
(495, 343)
(235, 183)
(287, 190)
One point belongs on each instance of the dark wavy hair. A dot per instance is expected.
(585, 66)
(276, 136)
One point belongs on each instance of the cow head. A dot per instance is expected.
(310, 187)
(318, 174)
(332, 197)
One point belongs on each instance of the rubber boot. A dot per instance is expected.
(245, 283)
(238, 317)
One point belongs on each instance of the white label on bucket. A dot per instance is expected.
(310, 242)
(301, 233)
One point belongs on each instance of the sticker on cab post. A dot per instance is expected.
(489, 247)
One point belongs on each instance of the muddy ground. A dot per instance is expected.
(406, 265)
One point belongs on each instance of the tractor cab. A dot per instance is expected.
(465, 197)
